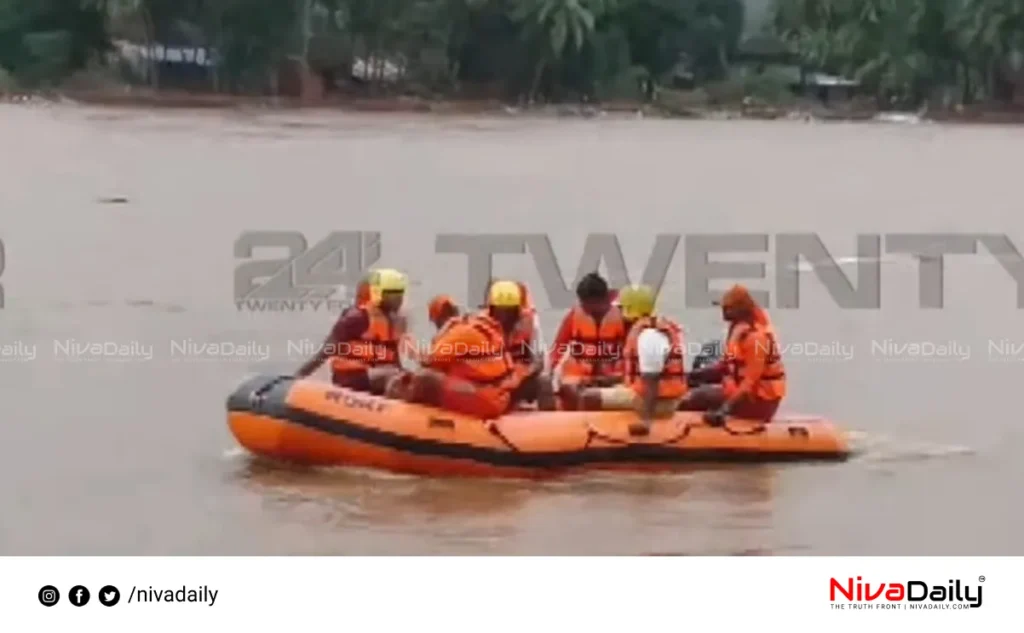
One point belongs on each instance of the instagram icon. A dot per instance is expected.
(49, 596)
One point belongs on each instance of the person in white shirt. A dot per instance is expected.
(653, 347)
(655, 381)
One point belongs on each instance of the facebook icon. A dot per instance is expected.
(79, 596)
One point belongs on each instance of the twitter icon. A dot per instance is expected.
(109, 596)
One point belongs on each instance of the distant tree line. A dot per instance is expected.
(907, 51)
(902, 50)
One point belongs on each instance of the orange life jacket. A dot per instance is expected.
(376, 347)
(472, 348)
(672, 383)
(772, 385)
(447, 326)
(597, 346)
(521, 339)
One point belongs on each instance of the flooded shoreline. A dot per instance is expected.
(807, 111)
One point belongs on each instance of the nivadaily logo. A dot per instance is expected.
(913, 594)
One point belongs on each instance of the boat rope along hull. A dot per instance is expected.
(315, 423)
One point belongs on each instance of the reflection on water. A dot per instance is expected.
(490, 513)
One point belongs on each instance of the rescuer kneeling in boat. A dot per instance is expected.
(364, 343)
(590, 340)
(751, 375)
(655, 380)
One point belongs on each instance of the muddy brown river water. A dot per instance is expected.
(131, 455)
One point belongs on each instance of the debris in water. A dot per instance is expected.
(899, 117)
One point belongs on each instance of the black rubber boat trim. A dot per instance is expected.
(272, 404)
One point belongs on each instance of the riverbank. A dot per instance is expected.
(673, 105)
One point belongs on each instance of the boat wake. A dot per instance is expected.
(235, 453)
(871, 448)
(257, 465)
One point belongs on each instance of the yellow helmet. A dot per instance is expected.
(505, 294)
(637, 302)
(387, 280)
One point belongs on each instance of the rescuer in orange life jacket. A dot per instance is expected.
(521, 327)
(363, 345)
(468, 368)
(751, 374)
(510, 304)
(590, 342)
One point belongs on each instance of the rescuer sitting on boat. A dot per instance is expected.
(520, 323)
(468, 368)
(589, 343)
(510, 304)
(751, 376)
(363, 345)
(654, 378)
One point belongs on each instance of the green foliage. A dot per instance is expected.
(529, 48)
(251, 36)
(44, 40)
(7, 82)
(905, 50)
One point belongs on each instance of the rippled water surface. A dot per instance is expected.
(118, 227)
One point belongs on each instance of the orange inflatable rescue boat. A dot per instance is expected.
(317, 424)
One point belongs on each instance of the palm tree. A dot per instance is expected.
(552, 25)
